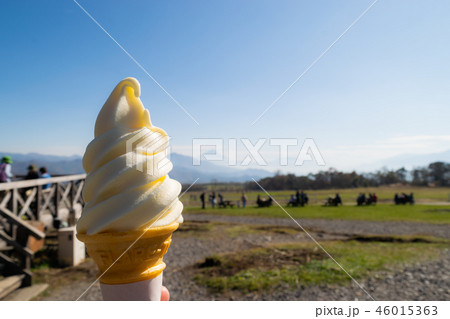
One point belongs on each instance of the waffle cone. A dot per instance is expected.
(143, 261)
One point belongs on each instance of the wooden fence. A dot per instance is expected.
(22, 205)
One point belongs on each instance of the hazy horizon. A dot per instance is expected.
(390, 163)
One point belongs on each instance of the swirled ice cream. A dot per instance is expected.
(127, 187)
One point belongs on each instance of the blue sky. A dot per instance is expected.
(381, 91)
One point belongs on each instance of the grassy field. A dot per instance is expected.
(435, 214)
(303, 263)
(317, 197)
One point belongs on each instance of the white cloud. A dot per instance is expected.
(360, 156)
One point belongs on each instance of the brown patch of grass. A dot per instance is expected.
(260, 258)
(397, 239)
(235, 230)
(194, 228)
(284, 230)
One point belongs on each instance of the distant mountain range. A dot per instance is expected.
(207, 172)
(183, 170)
(57, 165)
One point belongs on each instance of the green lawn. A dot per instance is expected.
(385, 194)
(434, 214)
(243, 272)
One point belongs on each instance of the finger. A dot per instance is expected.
(165, 295)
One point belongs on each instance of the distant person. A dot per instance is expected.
(361, 200)
(304, 198)
(292, 201)
(396, 199)
(374, 198)
(32, 172)
(202, 198)
(45, 174)
(369, 199)
(411, 198)
(212, 199)
(297, 198)
(5, 170)
(221, 202)
(403, 198)
(337, 200)
(329, 201)
(244, 200)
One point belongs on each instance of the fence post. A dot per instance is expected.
(38, 201)
(14, 201)
(56, 200)
(72, 204)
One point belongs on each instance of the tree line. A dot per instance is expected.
(435, 174)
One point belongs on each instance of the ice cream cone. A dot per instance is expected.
(127, 191)
(143, 261)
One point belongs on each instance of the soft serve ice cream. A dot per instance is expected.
(127, 186)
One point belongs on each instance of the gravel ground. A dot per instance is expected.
(427, 281)
(186, 251)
